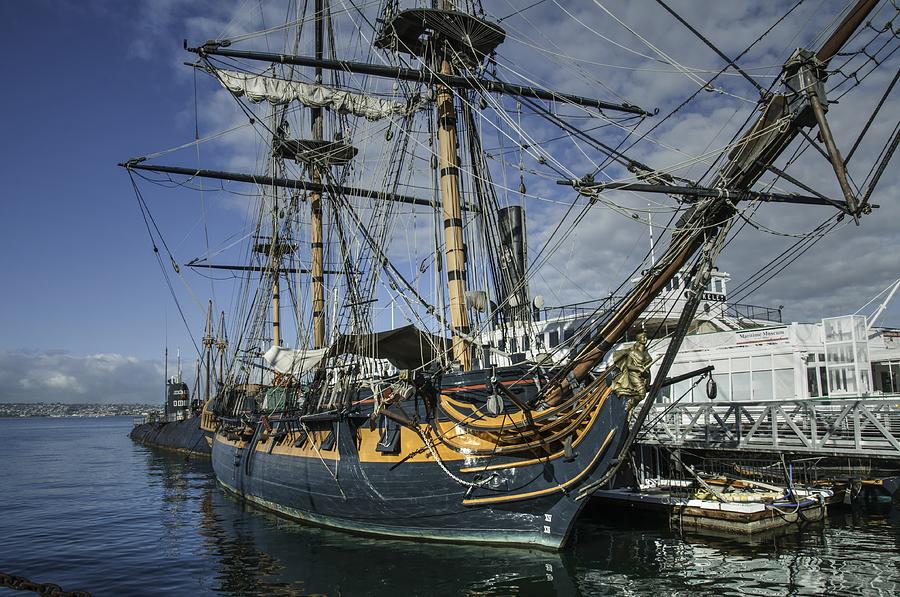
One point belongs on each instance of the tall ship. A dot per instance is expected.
(383, 375)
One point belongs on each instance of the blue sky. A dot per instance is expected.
(89, 84)
(78, 100)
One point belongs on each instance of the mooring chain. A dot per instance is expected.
(47, 589)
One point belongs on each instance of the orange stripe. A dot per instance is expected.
(560, 487)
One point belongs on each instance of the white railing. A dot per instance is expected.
(834, 427)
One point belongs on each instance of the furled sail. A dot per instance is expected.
(287, 360)
(258, 88)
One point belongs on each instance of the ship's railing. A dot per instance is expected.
(579, 310)
(746, 311)
(849, 427)
(663, 306)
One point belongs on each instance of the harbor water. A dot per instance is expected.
(86, 508)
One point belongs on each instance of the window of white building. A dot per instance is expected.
(847, 355)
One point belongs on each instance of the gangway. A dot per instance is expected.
(840, 427)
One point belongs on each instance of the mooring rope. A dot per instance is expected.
(47, 589)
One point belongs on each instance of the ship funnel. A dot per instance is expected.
(514, 294)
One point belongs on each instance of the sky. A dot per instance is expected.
(86, 314)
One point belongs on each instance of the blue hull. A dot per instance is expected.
(530, 505)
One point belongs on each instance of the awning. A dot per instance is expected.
(405, 348)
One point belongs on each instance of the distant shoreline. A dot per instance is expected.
(16, 410)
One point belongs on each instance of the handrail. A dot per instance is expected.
(864, 426)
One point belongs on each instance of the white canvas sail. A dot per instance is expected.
(258, 88)
(291, 361)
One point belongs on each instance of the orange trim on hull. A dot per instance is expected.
(560, 487)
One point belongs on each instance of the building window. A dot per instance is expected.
(784, 383)
(723, 385)
(554, 338)
(740, 386)
(762, 385)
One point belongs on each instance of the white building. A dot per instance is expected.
(755, 355)
(837, 357)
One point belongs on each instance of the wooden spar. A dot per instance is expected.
(718, 192)
(275, 251)
(276, 303)
(315, 204)
(834, 154)
(420, 76)
(221, 345)
(254, 268)
(702, 220)
(454, 248)
(208, 341)
(843, 32)
(287, 183)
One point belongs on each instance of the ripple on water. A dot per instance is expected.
(85, 507)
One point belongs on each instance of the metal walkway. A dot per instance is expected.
(850, 427)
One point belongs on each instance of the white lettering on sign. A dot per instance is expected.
(179, 403)
(179, 392)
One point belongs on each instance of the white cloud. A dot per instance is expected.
(56, 376)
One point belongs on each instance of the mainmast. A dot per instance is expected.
(316, 238)
(454, 247)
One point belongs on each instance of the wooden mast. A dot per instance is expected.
(316, 237)
(276, 301)
(221, 345)
(208, 341)
(454, 247)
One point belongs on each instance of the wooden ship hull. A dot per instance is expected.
(526, 498)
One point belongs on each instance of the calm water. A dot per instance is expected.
(84, 507)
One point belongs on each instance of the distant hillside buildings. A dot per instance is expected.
(41, 409)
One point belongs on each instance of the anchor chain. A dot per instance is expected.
(47, 589)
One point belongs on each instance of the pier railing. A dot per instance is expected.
(830, 427)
